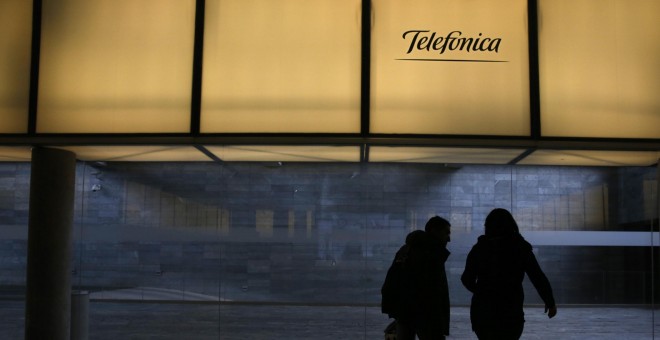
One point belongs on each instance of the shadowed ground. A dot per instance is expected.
(208, 320)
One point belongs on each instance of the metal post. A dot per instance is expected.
(80, 315)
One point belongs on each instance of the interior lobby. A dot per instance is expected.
(232, 169)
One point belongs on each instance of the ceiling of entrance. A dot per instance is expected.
(306, 153)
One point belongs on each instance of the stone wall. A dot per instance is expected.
(325, 233)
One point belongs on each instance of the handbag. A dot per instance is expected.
(390, 331)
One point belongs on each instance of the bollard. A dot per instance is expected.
(80, 315)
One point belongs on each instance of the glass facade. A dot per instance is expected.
(248, 250)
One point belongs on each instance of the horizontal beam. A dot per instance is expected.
(495, 142)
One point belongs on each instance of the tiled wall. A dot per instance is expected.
(326, 233)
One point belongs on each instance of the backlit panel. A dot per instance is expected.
(599, 68)
(146, 153)
(286, 153)
(592, 158)
(116, 66)
(442, 155)
(281, 66)
(15, 154)
(450, 67)
(15, 39)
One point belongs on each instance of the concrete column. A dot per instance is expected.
(48, 295)
(655, 253)
(80, 315)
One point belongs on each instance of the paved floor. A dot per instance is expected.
(133, 321)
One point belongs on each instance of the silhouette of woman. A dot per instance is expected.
(494, 271)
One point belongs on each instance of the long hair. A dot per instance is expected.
(500, 222)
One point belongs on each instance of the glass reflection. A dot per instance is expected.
(309, 242)
(252, 250)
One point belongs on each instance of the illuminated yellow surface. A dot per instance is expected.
(600, 68)
(116, 66)
(138, 153)
(592, 158)
(286, 153)
(281, 66)
(450, 97)
(299, 153)
(15, 38)
(442, 155)
(15, 154)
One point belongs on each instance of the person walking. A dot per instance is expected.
(415, 292)
(494, 271)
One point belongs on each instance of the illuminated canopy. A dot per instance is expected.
(445, 81)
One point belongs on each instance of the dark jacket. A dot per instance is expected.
(494, 271)
(416, 287)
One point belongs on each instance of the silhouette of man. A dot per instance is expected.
(494, 271)
(415, 292)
